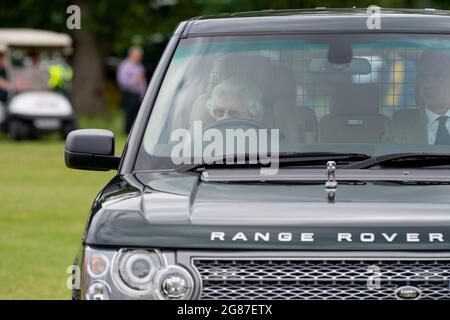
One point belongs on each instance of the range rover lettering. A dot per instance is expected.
(280, 155)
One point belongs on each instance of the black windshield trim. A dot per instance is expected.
(241, 175)
(283, 159)
(422, 159)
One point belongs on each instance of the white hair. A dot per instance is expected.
(235, 86)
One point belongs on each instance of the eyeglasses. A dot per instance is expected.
(220, 113)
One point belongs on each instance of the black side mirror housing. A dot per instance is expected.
(91, 149)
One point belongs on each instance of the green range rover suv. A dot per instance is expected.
(280, 155)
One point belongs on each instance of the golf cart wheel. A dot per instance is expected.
(67, 128)
(18, 130)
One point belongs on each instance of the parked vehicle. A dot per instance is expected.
(353, 202)
(38, 79)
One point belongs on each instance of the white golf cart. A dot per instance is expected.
(38, 80)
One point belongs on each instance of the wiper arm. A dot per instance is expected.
(413, 160)
(283, 159)
(305, 157)
(223, 162)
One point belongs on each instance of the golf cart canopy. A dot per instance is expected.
(33, 38)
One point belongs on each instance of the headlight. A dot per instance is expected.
(98, 290)
(174, 283)
(98, 265)
(134, 271)
(135, 274)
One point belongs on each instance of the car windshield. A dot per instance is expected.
(370, 94)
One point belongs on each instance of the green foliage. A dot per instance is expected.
(118, 23)
(46, 14)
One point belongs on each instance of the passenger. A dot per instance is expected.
(32, 76)
(33, 60)
(430, 124)
(232, 98)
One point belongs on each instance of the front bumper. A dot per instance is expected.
(314, 275)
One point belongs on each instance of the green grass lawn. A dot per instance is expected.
(43, 210)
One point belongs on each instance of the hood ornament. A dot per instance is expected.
(331, 184)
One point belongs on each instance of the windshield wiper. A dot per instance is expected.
(411, 160)
(304, 157)
(221, 162)
(283, 159)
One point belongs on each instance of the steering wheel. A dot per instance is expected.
(236, 123)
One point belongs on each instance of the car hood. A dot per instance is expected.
(176, 210)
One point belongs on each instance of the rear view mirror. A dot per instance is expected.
(357, 66)
(90, 149)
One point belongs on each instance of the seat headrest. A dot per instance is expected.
(355, 99)
(272, 80)
(283, 83)
(254, 70)
(244, 67)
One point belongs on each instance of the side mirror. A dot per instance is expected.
(91, 149)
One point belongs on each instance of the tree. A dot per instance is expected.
(111, 26)
(88, 81)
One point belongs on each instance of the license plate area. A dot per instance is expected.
(47, 124)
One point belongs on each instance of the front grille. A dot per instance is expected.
(227, 278)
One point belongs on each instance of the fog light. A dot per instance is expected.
(98, 265)
(174, 283)
(98, 290)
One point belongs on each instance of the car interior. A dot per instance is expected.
(311, 106)
(347, 120)
(277, 85)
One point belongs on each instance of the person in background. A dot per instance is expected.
(33, 76)
(3, 79)
(4, 87)
(132, 83)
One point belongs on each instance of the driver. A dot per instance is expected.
(233, 99)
